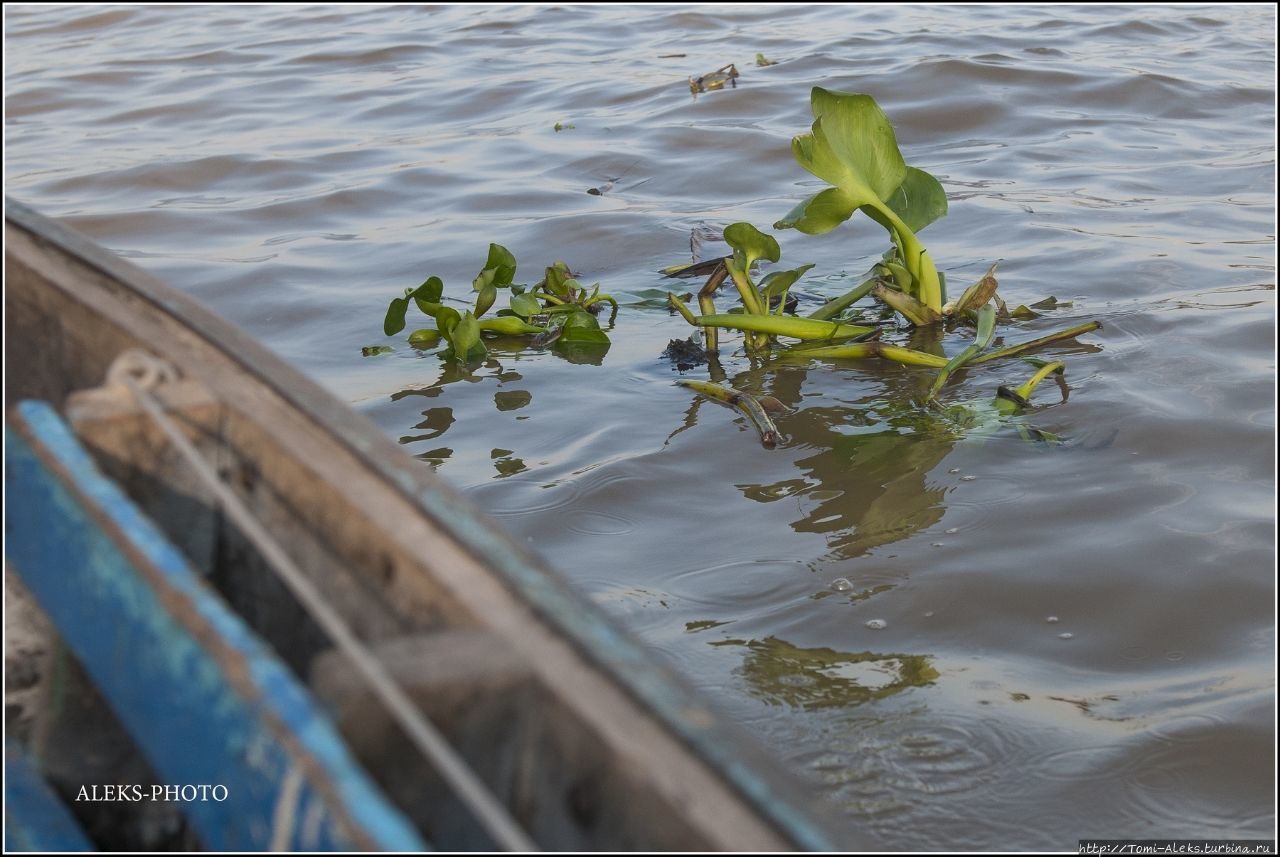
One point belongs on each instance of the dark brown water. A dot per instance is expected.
(1078, 640)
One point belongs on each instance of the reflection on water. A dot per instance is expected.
(783, 674)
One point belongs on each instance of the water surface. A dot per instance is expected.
(1076, 640)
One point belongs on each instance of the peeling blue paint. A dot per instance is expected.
(192, 721)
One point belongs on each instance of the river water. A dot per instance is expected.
(1077, 640)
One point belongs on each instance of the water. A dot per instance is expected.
(296, 168)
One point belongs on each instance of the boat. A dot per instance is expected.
(276, 630)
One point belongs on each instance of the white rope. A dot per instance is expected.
(139, 371)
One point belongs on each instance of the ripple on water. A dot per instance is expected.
(513, 497)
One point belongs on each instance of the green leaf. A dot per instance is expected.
(557, 276)
(485, 299)
(820, 213)
(778, 282)
(750, 245)
(919, 200)
(424, 337)
(503, 261)
(446, 318)
(581, 328)
(852, 146)
(375, 350)
(525, 305)
(464, 339)
(427, 295)
(394, 321)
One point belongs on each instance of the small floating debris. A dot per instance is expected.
(715, 80)
(685, 354)
(670, 56)
(609, 183)
(951, 531)
(562, 126)
(841, 584)
(375, 350)
(967, 478)
(877, 624)
(1051, 619)
(761, 62)
(1065, 635)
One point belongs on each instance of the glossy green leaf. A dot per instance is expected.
(509, 325)
(751, 245)
(778, 282)
(557, 277)
(393, 323)
(425, 337)
(525, 305)
(464, 338)
(919, 200)
(581, 328)
(852, 146)
(820, 213)
(485, 299)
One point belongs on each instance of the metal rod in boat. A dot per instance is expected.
(486, 808)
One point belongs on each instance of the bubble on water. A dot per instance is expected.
(1051, 619)
(967, 478)
(877, 624)
(952, 531)
(1065, 635)
(841, 584)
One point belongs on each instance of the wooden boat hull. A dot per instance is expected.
(591, 744)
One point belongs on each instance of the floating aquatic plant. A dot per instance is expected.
(852, 146)
(558, 310)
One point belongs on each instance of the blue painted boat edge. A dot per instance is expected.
(34, 818)
(287, 708)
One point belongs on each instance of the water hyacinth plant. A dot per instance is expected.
(557, 310)
(852, 146)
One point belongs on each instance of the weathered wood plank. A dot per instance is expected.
(207, 703)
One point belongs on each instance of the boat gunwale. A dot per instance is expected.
(619, 658)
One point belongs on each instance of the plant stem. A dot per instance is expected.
(1011, 350)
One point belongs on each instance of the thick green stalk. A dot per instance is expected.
(1011, 350)
(917, 259)
(751, 300)
(835, 306)
(748, 404)
(862, 350)
(773, 325)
